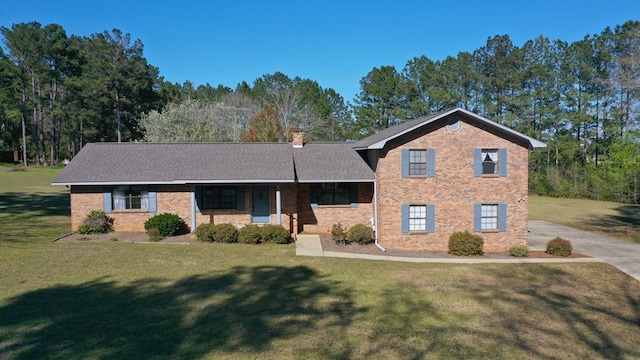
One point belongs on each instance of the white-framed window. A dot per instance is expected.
(489, 217)
(417, 217)
(130, 197)
(489, 161)
(417, 162)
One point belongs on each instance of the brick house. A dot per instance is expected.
(415, 183)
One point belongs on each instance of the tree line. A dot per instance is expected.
(59, 92)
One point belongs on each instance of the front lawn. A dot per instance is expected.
(121, 300)
(620, 221)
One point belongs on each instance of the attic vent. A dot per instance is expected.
(454, 125)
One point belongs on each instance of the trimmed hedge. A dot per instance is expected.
(168, 224)
(519, 251)
(465, 244)
(250, 234)
(204, 232)
(97, 222)
(275, 234)
(559, 247)
(225, 233)
(360, 233)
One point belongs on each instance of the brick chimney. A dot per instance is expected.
(298, 138)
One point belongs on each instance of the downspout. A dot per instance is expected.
(278, 206)
(375, 211)
(193, 208)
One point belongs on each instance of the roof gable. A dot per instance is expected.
(379, 140)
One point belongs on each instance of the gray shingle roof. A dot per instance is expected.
(330, 162)
(108, 163)
(378, 141)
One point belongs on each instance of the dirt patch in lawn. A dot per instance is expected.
(328, 244)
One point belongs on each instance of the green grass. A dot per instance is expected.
(31, 210)
(621, 221)
(121, 300)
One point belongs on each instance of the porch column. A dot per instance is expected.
(278, 206)
(193, 208)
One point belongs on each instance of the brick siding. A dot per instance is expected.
(454, 190)
(322, 218)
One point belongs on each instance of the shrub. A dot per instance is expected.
(250, 234)
(465, 244)
(225, 233)
(204, 232)
(559, 247)
(338, 233)
(97, 222)
(168, 224)
(360, 233)
(275, 234)
(154, 235)
(519, 251)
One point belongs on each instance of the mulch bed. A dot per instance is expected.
(328, 244)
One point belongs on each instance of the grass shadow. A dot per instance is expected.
(625, 224)
(243, 310)
(36, 204)
(538, 312)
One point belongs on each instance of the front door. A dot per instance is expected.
(260, 204)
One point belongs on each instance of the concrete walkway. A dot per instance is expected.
(621, 254)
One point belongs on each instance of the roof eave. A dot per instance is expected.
(533, 143)
(175, 182)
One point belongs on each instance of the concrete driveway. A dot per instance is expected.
(621, 254)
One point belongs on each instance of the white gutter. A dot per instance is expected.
(176, 182)
(375, 213)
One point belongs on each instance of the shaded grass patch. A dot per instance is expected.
(620, 221)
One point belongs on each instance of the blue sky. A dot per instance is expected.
(334, 42)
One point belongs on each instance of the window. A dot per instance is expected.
(219, 197)
(130, 197)
(489, 161)
(334, 194)
(417, 218)
(489, 217)
(417, 162)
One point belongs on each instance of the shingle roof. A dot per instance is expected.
(330, 162)
(108, 163)
(378, 141)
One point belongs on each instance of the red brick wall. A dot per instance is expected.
(454, 190)
(176, 199)
(322, 218)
